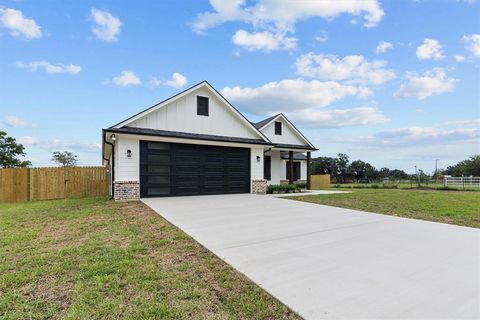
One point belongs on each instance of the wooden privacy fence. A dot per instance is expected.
(320, 181)
(28, 184)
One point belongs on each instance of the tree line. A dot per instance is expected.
(343, 170)
(12, 155)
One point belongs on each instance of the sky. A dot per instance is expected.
(393, 83)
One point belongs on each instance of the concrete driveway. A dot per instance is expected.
(332, 263)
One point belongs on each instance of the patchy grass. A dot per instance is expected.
(92, 258)
(454, 207)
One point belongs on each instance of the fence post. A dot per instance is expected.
(463, 183)
(30, 184)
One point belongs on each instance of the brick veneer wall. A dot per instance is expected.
(259, 186)
(126, 190)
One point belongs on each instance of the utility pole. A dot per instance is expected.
(418, 177)
(436, 169)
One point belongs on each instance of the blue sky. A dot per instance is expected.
(394, 83)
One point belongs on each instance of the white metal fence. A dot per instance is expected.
(462, 182)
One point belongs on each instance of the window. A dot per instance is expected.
(267, 168)
(278, 128)
(202, 106)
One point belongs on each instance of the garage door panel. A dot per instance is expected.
(183, 169)
(158, 179)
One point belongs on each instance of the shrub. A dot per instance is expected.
(273, 187)
(301, 185)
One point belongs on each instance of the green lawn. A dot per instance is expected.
(403, 185)
(461, 208)
(92, 258)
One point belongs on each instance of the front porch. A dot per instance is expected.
(287, 166)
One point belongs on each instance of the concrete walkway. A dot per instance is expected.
(306, 193)
(332, 263)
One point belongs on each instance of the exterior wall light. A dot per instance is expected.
(129, 153)
(113, 137)
(258, 158)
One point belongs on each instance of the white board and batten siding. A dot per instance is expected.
(288, 135)
(181, 115)
(129, 167)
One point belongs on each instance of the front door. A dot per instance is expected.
(296, 171)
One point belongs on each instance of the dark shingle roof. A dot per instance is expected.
(294, 146)
(260, 124)
(185, 135)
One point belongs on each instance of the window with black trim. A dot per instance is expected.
(278, 128)
(202, 106)
(267, 168)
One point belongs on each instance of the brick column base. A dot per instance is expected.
(126, 190)
(259, 186)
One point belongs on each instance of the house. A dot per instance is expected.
(197, 143)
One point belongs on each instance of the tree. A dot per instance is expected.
(10, 150)
(363, 171)
(358, 168)
(397, 174)
(468, 167)
(324, 165)
(342, 166)
(384, 173)
(65, 159)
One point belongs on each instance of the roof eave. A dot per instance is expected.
(211, 138)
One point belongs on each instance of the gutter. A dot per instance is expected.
(113, 162)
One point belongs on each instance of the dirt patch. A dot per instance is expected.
(51, 290)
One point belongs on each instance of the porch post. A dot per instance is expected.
(290, 166)
(309, 158)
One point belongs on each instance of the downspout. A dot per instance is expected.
(267, 151)
(113, 164)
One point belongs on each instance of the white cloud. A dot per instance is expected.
(56, 144)
(411, 136)
(126, 79)
(431, 83)
(473, 44)
(154, 81)
(383, 46)
(304, 102)
(465, 123)
(27, 140)
(15, 122)
(296, 93)
(430, 49)
(355, 69)
(284, 14)
(19, 25)
(337, 118)
(178, 80)
(48, 67)
(290, 95)
(264, 41)
(322, 36)
(106, 27)
(459, 58)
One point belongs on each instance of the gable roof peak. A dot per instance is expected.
(183, 93)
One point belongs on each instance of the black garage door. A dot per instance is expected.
(175, 169)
